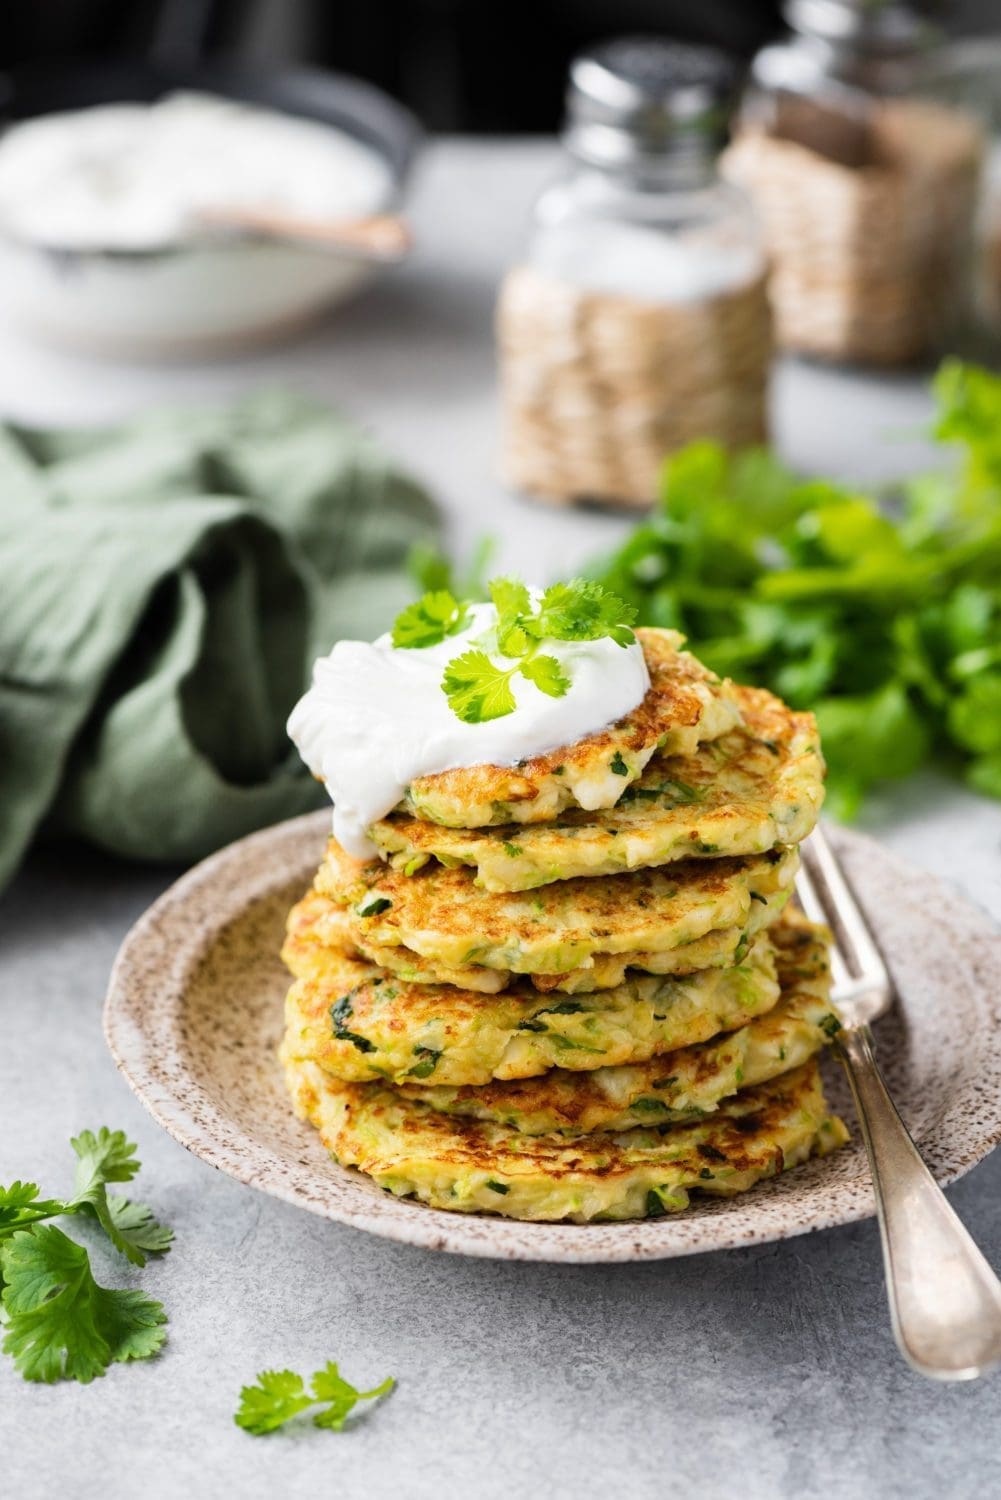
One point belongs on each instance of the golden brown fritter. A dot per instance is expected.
(684, 705)
(475, 1167)
(357, 1022)
(756, 787)
(316, 925)
(677, 1086)
(442, 915)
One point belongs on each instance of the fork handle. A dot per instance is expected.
(945, 1301)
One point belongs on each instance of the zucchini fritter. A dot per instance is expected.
(316, 926)
(470, 1166)
(358, 1023)
(444, 916)
(677, 1086)
(757, 786)
(684, 705)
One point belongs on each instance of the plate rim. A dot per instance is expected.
(476, 1235)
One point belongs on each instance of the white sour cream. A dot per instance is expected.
(375, 718)
(138, 176)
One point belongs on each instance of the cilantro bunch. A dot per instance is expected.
(884, 620)
(477, 685)
(58, 1322)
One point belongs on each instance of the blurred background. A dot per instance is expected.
(491, 66)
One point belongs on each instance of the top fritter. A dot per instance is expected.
(758, 786)
(684, 706)
(478, 715)
(459, 685)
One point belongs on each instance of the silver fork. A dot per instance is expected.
(945, 1301)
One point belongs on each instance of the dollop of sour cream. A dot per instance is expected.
(375, 717)
(140, 176)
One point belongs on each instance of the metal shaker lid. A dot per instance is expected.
(877, 46)
(637, 100)
(881, 27)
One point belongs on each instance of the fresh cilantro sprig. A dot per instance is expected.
(59, 1323)
(478, 686)
(431, 569)
(583, 610)
(104, 1158)
(280, 1395)
(430, 620)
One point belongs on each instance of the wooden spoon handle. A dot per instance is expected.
(377, 236)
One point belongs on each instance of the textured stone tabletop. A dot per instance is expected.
(766, 1374)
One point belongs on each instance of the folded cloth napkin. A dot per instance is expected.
(164, 585)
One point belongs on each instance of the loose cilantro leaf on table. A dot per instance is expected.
(103, 1158)
(341, 1397)
(20, 1205)
(280, 1395)
(59, 1323)
(134, 1229)
(883, 614)
(131, 1227)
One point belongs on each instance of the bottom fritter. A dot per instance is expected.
(472, 1166)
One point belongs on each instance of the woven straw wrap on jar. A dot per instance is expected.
(597, 389)
(868, 262)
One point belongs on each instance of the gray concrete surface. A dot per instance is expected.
(767, 1374)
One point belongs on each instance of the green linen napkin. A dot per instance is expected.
(164, 586)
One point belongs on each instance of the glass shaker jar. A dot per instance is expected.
(968, 75)
(866, 183)
(639, 320)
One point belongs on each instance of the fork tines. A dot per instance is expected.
(857, 967)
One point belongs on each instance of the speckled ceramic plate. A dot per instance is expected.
(194, 1015)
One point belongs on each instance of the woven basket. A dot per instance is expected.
(869, 263)
(596, 389)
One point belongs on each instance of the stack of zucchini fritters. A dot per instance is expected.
(572, 989)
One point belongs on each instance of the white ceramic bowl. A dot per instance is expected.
(188, 299)
(206, 295)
